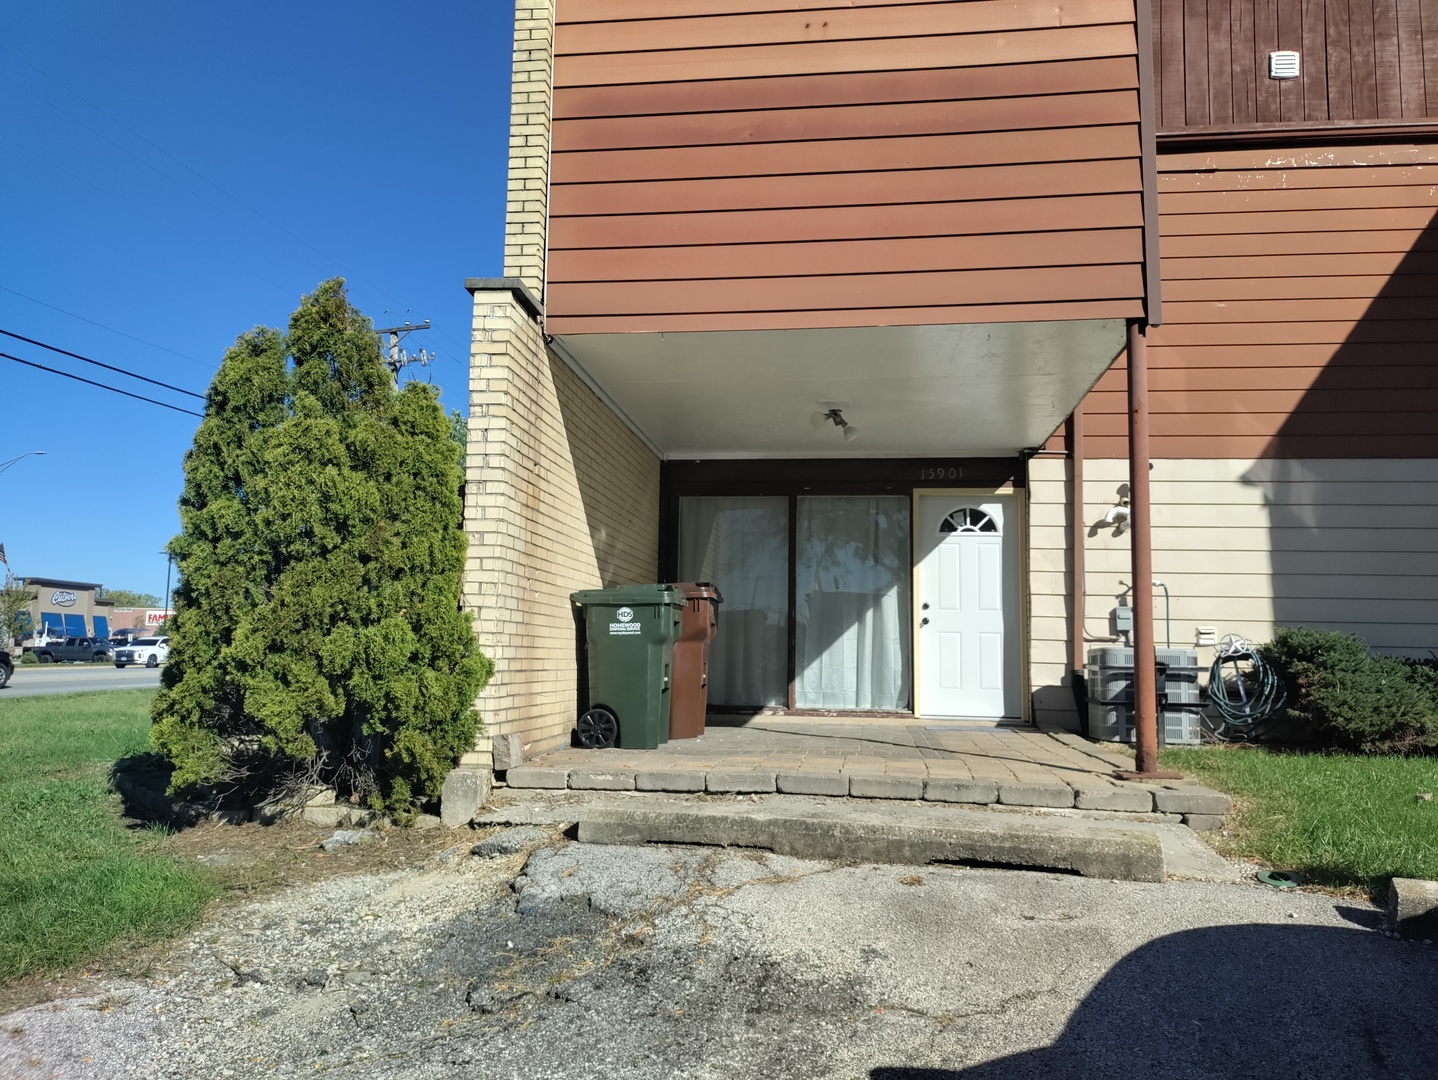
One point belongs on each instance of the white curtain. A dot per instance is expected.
(742, 546)
(852, 607)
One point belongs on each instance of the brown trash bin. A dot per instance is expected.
(689, 689)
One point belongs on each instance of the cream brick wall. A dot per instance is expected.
(530, 109)
(560, 496)
(1243, 546)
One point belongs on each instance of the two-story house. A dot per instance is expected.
(829, 304)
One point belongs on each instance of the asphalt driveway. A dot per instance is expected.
(569, 960)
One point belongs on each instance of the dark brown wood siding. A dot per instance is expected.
(731, 166)
(1361, 61)
(1300, 305)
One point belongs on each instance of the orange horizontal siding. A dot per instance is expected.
(841, 223)
(1228, 424)
(790, 165)
(815, 320)
(831, 292)
(830, 57)
(1266, 310)
(843, 155)
(1273, 356)
(1318, 243)
(1302, 267)
(1290, 200)
(1353, 178)
(1337, 383)
(848, 88)
(1214, 397)
(1338, 332)
(615, 10)
(1301, 317)
(1300, 219)
(851, 189)
(836, 23)
(847, 122)
(1310, 286)
(1258, 446)
(711, 261)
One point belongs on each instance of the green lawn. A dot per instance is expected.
(74, 882)
(1342, 820)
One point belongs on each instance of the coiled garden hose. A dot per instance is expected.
(1257, 694)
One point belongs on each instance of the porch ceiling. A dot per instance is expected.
(979, 390)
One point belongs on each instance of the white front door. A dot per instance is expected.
(966, 549)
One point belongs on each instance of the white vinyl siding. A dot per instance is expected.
(1243, 546)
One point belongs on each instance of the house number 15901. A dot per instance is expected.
(941, 474)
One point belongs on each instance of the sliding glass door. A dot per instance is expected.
(849, 603)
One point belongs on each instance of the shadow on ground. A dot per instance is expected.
(1242, 1001)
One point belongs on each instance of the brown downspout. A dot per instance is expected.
(1077, 528)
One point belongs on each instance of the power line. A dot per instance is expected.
(102, 386)
(192, 239)
(102, 326)
(107, 367)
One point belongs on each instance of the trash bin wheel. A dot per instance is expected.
(598, 729)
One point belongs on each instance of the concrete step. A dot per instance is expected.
(917, 836)
(1106, 846)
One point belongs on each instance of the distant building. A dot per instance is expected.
(69, 607)
(149, 618)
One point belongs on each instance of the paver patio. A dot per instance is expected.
(888, 759)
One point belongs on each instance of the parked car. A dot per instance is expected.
(80, 650)
(7, 669)
(150, 651)
(126, 635)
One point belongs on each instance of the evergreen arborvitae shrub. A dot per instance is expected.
(1352, 698)
(318, 631)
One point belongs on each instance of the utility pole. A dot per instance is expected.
(396, 359)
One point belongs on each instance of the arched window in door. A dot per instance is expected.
(968, 519)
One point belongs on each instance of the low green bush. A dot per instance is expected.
(1352, 699)
(28, 658)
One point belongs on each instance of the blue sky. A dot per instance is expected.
(176, 173)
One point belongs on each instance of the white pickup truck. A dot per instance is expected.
(150, 651)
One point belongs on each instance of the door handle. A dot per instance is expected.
(924, 621)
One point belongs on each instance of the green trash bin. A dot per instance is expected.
(629, 635)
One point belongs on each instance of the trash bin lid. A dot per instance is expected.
(630, 595)
(699, 590)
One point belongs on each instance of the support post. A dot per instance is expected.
(1145, 693)
(1076, 565)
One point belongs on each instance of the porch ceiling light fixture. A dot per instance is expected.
(819, 419)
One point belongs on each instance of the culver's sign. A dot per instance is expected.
(63, 598)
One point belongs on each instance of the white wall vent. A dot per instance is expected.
(1283, 65)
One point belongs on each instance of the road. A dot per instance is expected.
(662, 962)
(31, 679)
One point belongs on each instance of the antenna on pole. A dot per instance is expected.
(396, 359)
